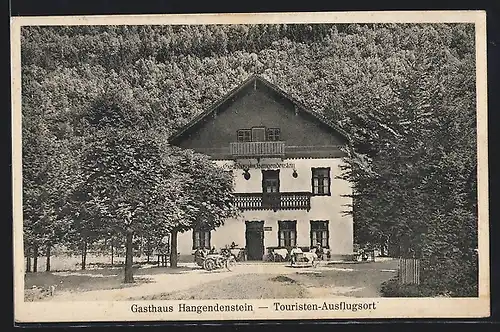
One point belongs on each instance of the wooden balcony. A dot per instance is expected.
(257, 149)
(274, 201)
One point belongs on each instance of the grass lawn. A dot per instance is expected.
(37, 285)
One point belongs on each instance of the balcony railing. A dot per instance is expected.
(257, 149)
(274, 201)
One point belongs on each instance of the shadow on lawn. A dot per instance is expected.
(39, 285)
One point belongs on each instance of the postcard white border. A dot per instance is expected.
(386, 307)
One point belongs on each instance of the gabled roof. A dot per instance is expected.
(254, 79)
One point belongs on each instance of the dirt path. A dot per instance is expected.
(158, 282)
(164, 283)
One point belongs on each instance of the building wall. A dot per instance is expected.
(329, 208)
(257, 108)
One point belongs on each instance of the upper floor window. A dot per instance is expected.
(258, 134)
(244, 135)
(270, 181)
(273, 134)
(321, 181)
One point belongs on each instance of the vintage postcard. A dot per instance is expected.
(248, 167)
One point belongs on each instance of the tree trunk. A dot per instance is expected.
(173, 249)
(129, 276)
(35, 258)
(112, 252)
(84, 254)
(47, 263)
(28, 259)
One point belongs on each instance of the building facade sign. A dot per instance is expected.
(258, 166)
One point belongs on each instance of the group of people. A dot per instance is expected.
(316, 253)
(202, 252)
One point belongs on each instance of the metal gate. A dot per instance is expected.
(409, 271)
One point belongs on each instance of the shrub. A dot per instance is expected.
(35, 294)
(392, 288)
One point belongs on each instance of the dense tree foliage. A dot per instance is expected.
(109, 94)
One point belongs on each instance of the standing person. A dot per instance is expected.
(199, 256)
(293, 254)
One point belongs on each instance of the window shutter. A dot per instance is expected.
(196, 239)
(324, 239)
(207, 239)
(325, 186)
(315, 185)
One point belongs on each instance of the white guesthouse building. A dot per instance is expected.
(285, 161)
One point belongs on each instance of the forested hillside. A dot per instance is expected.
(404, 92)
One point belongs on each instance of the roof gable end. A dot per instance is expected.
(255, 82)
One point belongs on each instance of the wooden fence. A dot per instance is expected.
(409, 271)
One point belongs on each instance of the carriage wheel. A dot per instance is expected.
(209, 264)
(230, 263)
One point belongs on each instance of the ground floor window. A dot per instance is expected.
(201, 239)
(287, 233)
(319, 233)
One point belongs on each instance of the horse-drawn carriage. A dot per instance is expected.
(211, 260)
(297, 256)
(303, 259)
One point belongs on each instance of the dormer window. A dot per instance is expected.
(244, 135)
(258, 134)
(273, 134)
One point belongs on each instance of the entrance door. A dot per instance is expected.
(254, 239)
(258, 134)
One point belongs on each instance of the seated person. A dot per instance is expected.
(319, 251)
(280, 254)
(200, 254)
(293, 253)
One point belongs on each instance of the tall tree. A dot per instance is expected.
(201, 192)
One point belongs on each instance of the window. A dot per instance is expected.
(319, 233)
(258, 134)
(287, 233)
(201, 239)
(244, 135)
(270, 181)
(271, 188)
(273, 134)
(321, 181)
